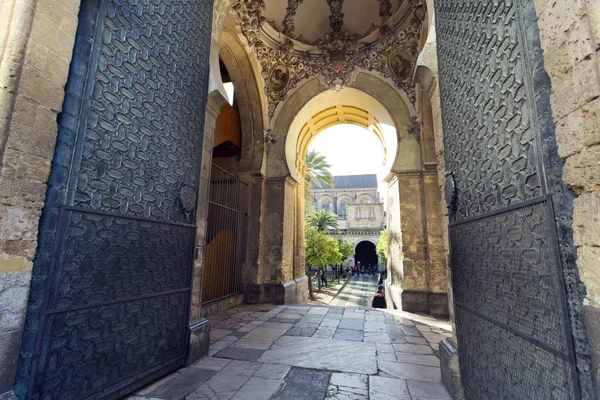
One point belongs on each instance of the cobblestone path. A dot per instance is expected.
(312, 352)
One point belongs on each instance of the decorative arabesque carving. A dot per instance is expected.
(393, 55)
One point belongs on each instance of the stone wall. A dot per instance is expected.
(570, 38)
(365, 216)
(37, 42)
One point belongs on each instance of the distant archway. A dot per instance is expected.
(365, 254)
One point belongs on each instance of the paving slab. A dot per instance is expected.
(240, 353)
(411, 371)
(357, 357)
(258, 388)
(429, 390)
(419, 359)
(272, 371)
(413, 348)
(382, 388)
(348, 334)
(303, 383)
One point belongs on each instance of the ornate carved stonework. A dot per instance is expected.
(414, 128)
(395, 55)
(385, 8)
(290, 12)
(392, 53)
(282, 69)
(336, 19)
(270, 139)
(339, 48)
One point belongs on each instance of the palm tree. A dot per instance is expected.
(322, 220)
(317, 170)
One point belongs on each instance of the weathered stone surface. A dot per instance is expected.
(586, 220)
(199, 340)
(579, 129)
(348, 334)
(352, 323)
(427, 360)
(358, 357)
(272, 371)
(258, 388)
(411, 371)
(179, 385)
(588, 260)
(382, 388)
(429, 390)
(582, 170)
(239, 353)
(311, 383)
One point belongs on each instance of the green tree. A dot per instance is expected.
(317, 170)
(346, 249)
(322, 220)
(320, 251)
(381, 248)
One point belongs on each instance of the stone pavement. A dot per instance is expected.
(312, 352)
(358, 292)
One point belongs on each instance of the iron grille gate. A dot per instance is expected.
(503, 182)
(117, 234)
(225, 236)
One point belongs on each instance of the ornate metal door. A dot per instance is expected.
(109, 303)
(518, 323)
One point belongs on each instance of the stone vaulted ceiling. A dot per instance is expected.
(294, 40)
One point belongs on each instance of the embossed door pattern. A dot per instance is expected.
(517, 325)
(115, 256)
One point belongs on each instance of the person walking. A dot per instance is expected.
(324, 279)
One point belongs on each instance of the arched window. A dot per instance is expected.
(325, 205)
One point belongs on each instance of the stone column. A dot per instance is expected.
(436, 248)
(415, 271)
(408, 268)
(252, 270)
(299, 257)
(277, 258)
(199, 326)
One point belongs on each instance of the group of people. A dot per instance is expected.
(356, 270)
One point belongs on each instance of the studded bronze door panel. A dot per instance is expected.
(518, 324)
(116, 249)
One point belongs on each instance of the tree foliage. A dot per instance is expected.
(321, 250)
(381, 248)
(322, 220)
(317, 170)
(346, 249)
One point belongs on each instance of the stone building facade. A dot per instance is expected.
(108, 111)
(359, 206)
